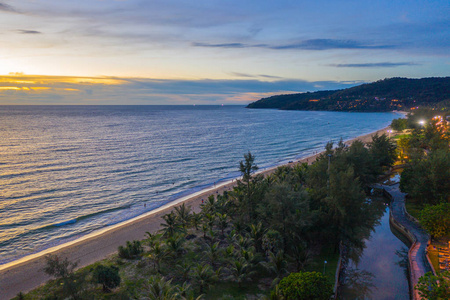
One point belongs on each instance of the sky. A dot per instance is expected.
(212, 51)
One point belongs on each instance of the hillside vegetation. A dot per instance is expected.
(383, 95)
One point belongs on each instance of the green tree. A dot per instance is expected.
(286, 211)
(382, 150)
(306, 286)
(175, 245)
(276, 265)
(248, 186)
(63, 269)
(131, 250)
(203, 276)
(171, 225)
(158, 288)
(158, 252)
(240, 271)
(399, 124)
(433, 287)
(183, 214)
(436, 219)
(212, 251)
(427, 179)
(345, 206)
(256, 233)
(107, 276)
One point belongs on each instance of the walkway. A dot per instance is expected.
(418, 261)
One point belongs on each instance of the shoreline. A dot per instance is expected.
(26, 273)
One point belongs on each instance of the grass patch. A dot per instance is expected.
(232, 289)
(433, 255)
(326, 254)
(413, 208)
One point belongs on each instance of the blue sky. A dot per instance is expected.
(211, 52)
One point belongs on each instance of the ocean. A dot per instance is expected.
(66, 171)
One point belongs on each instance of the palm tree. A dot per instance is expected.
(152, 238)
(240, 271)
(175, 245)
(203, 276)
(222, 222)
(242, 242)
(183, 214)
(196, 219)
(210, 205)
(229, 251)
(248, 255)
(157, 253)
(257, 232)
(184, 268)
(171, 226)
(276, 265)
(301, 254)
(212, 251)
(158, 288)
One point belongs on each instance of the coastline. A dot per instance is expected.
(26, 273)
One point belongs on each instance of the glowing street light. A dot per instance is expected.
(422, 122)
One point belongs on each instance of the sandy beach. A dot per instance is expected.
(26, 274)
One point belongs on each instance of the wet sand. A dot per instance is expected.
(26, 274)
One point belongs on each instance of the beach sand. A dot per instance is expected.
(26, 274)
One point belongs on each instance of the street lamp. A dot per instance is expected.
(422, 122)
(324, 264)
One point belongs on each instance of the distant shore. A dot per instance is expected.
(26, 273)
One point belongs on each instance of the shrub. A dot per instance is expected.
(107, 276)
(131, 250)
(436, 219)
(305, 285)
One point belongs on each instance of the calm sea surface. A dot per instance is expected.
(66, 171)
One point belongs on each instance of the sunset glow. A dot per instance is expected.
(280, 46)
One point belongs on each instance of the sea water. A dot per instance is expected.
(66, 171)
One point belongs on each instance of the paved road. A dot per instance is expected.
(417, 255)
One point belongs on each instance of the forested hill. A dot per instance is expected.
(383, 95)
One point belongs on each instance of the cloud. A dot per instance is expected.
(6, 7)
(113, 90)
(238, 74)
(326, 44)
(312, 44)
(28, 31)
(225, 45)
(375, 65)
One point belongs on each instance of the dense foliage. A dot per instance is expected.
(436, 219)
(305, 285)
(256, 234)
(383, 95)
(107, 276)
(433, 287)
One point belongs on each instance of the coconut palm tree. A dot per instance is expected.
(203, 276)
(175, 245)
(183, 214)
(256, 232)
(196, 219)
(222, 222)
(212, 252)
(240, 271)
(276, 265)
(158, 288)
(171, 225)
(157, 254)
